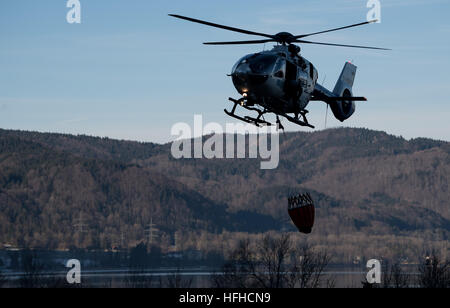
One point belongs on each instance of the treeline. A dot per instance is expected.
(270, 261)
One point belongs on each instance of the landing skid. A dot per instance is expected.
(297, 121)
(260, 121)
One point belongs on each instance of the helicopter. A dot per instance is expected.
(282, 82)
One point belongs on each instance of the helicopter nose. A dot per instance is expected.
(246, 82)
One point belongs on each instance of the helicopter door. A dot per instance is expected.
(292, 86)
(291, 71)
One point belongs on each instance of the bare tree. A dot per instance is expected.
(273, 253)
(32, 271)
(395, 277)
(274, 262)
(175, 281)
(308, 268)
(236, 271)
(139, 261)
(434, 273)
(138, 279)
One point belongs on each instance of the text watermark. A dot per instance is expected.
(374, 274)
(74, 14)
(74, 274)
(374, 13)
(263, 142)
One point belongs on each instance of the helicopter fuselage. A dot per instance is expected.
(279, 79)
(283, 82)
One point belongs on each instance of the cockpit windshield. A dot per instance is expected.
(260, 64)
(239, 66)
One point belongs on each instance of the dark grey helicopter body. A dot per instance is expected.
(282, 82)
(278, 78)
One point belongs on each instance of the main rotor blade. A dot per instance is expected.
(221, 26)
(340, 45)
(336, 29)
(239, 42)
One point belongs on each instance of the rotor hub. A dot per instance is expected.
(284, 38)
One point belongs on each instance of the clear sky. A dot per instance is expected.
(129, 71)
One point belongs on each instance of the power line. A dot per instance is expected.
(80, 225)
(151, 232)
(122, 240)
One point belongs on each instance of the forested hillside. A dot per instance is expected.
(372, 191)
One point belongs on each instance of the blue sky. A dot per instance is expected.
(130, 72)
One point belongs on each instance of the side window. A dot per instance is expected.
(311, 70)
(280, 67)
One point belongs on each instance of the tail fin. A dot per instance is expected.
(346, 79)
(344, 109)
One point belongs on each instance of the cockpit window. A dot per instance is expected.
(243, 60)
(262, 64)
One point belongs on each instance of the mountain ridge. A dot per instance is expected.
(363, 182)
